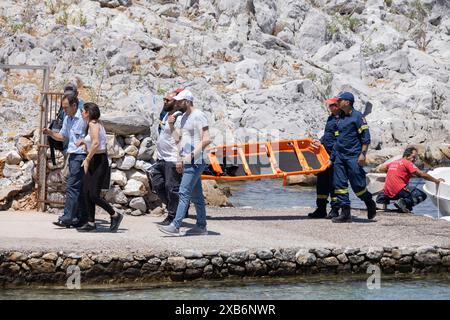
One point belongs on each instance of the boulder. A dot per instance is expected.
(131, 150)
(116, 195)
(132, 140)
(249, 74)
(13, 158)
(306, 180)
(214, 196)
(138, 203)
(146, 149)
(119, 177)
(266, 14)
(115, 151)
(126, 163)
(126, 125)
(12, 171)
(135, 188)
(139, 176)
(23, 146)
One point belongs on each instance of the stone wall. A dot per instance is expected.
(50, 267)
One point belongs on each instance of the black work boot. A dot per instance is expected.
(345, 216)
(334, 213)
(320, 212)
(371, 209)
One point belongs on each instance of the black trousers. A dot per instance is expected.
(411, 197)
(92, 186)
(166, 184)
(325, 188)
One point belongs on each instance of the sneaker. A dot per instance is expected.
(87, 228)
(115, 222)
(61, 224)
(196, 231)
(401, 205)
(170, 230)
(165, 222)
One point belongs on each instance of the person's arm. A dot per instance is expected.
(426, 176)
(62, 135)
(363, 130)
(176, 133)
(383, 168)
(94, 130)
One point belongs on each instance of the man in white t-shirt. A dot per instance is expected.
(164, 176)
(192, 131)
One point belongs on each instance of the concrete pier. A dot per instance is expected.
(241, 242)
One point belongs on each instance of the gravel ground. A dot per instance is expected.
(229, 228)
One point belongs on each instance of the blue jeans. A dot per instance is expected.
(191, 190)
(74, 208)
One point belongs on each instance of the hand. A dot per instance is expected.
(171, 120)
(179, 167)
(47, 131)
(85, 165)
(439, 181)
(316, 143)
(329, 163)
(80, 142)
(362, 160)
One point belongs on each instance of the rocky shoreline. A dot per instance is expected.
(24, 268)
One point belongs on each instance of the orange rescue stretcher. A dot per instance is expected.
(265, 160)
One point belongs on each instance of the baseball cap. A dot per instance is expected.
(178, 90)
(333, 100)
(346, 96)
(184, 95)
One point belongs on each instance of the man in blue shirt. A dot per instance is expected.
(349, 156)
(324, 186)
(73, 129)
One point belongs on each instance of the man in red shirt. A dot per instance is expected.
(399, 173)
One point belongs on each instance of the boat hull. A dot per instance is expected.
(440, 196)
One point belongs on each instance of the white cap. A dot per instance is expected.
(184, 95)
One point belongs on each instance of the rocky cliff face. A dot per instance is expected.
(257, 67)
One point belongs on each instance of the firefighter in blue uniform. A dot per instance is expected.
(349, 156)
(324, 187)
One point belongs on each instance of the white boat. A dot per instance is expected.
(439, 196)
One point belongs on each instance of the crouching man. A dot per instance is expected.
(399, 173)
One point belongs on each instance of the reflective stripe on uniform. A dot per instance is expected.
(322, 196)
(341, 191)
(364, 127)
(334, 199)
(336, 133)
(361, 192)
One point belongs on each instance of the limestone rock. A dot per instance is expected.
(126, 163)
(13, 158)
(305, 258)
(135, 188)
(146, 149)
(125, 125)
(116, 195)
(138, 203)
(119, 177)
(131, 150)
(115, 151)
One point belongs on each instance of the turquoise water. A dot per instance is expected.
(288, 289)
(270, 193)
